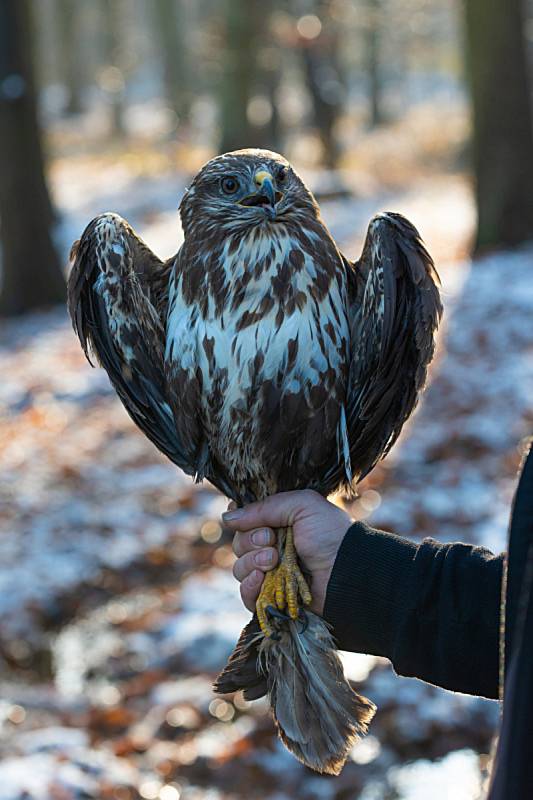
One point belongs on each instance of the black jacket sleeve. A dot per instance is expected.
(512, 774)
(432, 609)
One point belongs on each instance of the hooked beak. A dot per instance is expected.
(265, 182)
(266, 196)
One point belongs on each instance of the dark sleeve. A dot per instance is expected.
(432, 609)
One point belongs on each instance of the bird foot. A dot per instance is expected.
(283, 593)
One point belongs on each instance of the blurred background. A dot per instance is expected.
(117, 604)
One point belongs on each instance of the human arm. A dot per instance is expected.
(431, 608)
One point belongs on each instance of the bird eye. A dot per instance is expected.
(230, 185)
(281, 174)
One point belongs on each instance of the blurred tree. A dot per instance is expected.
(249, 77)
(112, 76)
(31, 273)
(319, 36)
(67, 16)
(502, 121)
(264, 109)
(169, 28)
(373, 38)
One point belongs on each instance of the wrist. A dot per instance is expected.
(321, 573)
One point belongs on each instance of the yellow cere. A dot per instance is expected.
(262, 176)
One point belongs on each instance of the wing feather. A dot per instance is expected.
(394, 311)
(117, 302)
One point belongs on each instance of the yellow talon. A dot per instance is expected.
(265, 599)
(284, 587)
(280, 588)
(303, 588)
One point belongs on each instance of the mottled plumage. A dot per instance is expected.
(262, 359)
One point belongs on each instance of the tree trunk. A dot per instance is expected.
(249, 74)
(373, 62)
(114, 80)
(324, 81)
(168, 24)
(67, 13)
(502, 122)
(31, 273)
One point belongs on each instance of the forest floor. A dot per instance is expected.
(117, 604)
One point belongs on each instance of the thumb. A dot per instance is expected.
(277, 511)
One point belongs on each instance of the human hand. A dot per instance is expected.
(319, 528)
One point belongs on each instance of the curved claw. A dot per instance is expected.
(303, 619)
(277, 614)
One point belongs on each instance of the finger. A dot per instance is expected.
(232, 505)
(276, 511)
(263, 559)
(244, 541)
(250, 588)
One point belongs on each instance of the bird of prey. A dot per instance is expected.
(264, 360)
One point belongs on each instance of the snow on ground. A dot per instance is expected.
(117, 605)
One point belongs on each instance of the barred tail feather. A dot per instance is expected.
(242, 672)
(318, 714)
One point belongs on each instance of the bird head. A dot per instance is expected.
(244, 189)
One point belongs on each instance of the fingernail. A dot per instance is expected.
(230, 516)
(264, 557)
(261, 537)
(256, 576)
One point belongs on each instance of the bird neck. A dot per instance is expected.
(262, 268)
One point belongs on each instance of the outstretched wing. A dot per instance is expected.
(117, 298)
(394, 311)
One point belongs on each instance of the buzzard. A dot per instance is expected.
(264, 360)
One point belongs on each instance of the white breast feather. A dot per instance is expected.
(235, 349)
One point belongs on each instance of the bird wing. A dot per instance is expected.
(394, 311)
(117, 298)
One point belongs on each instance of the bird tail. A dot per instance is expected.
(318, 714)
